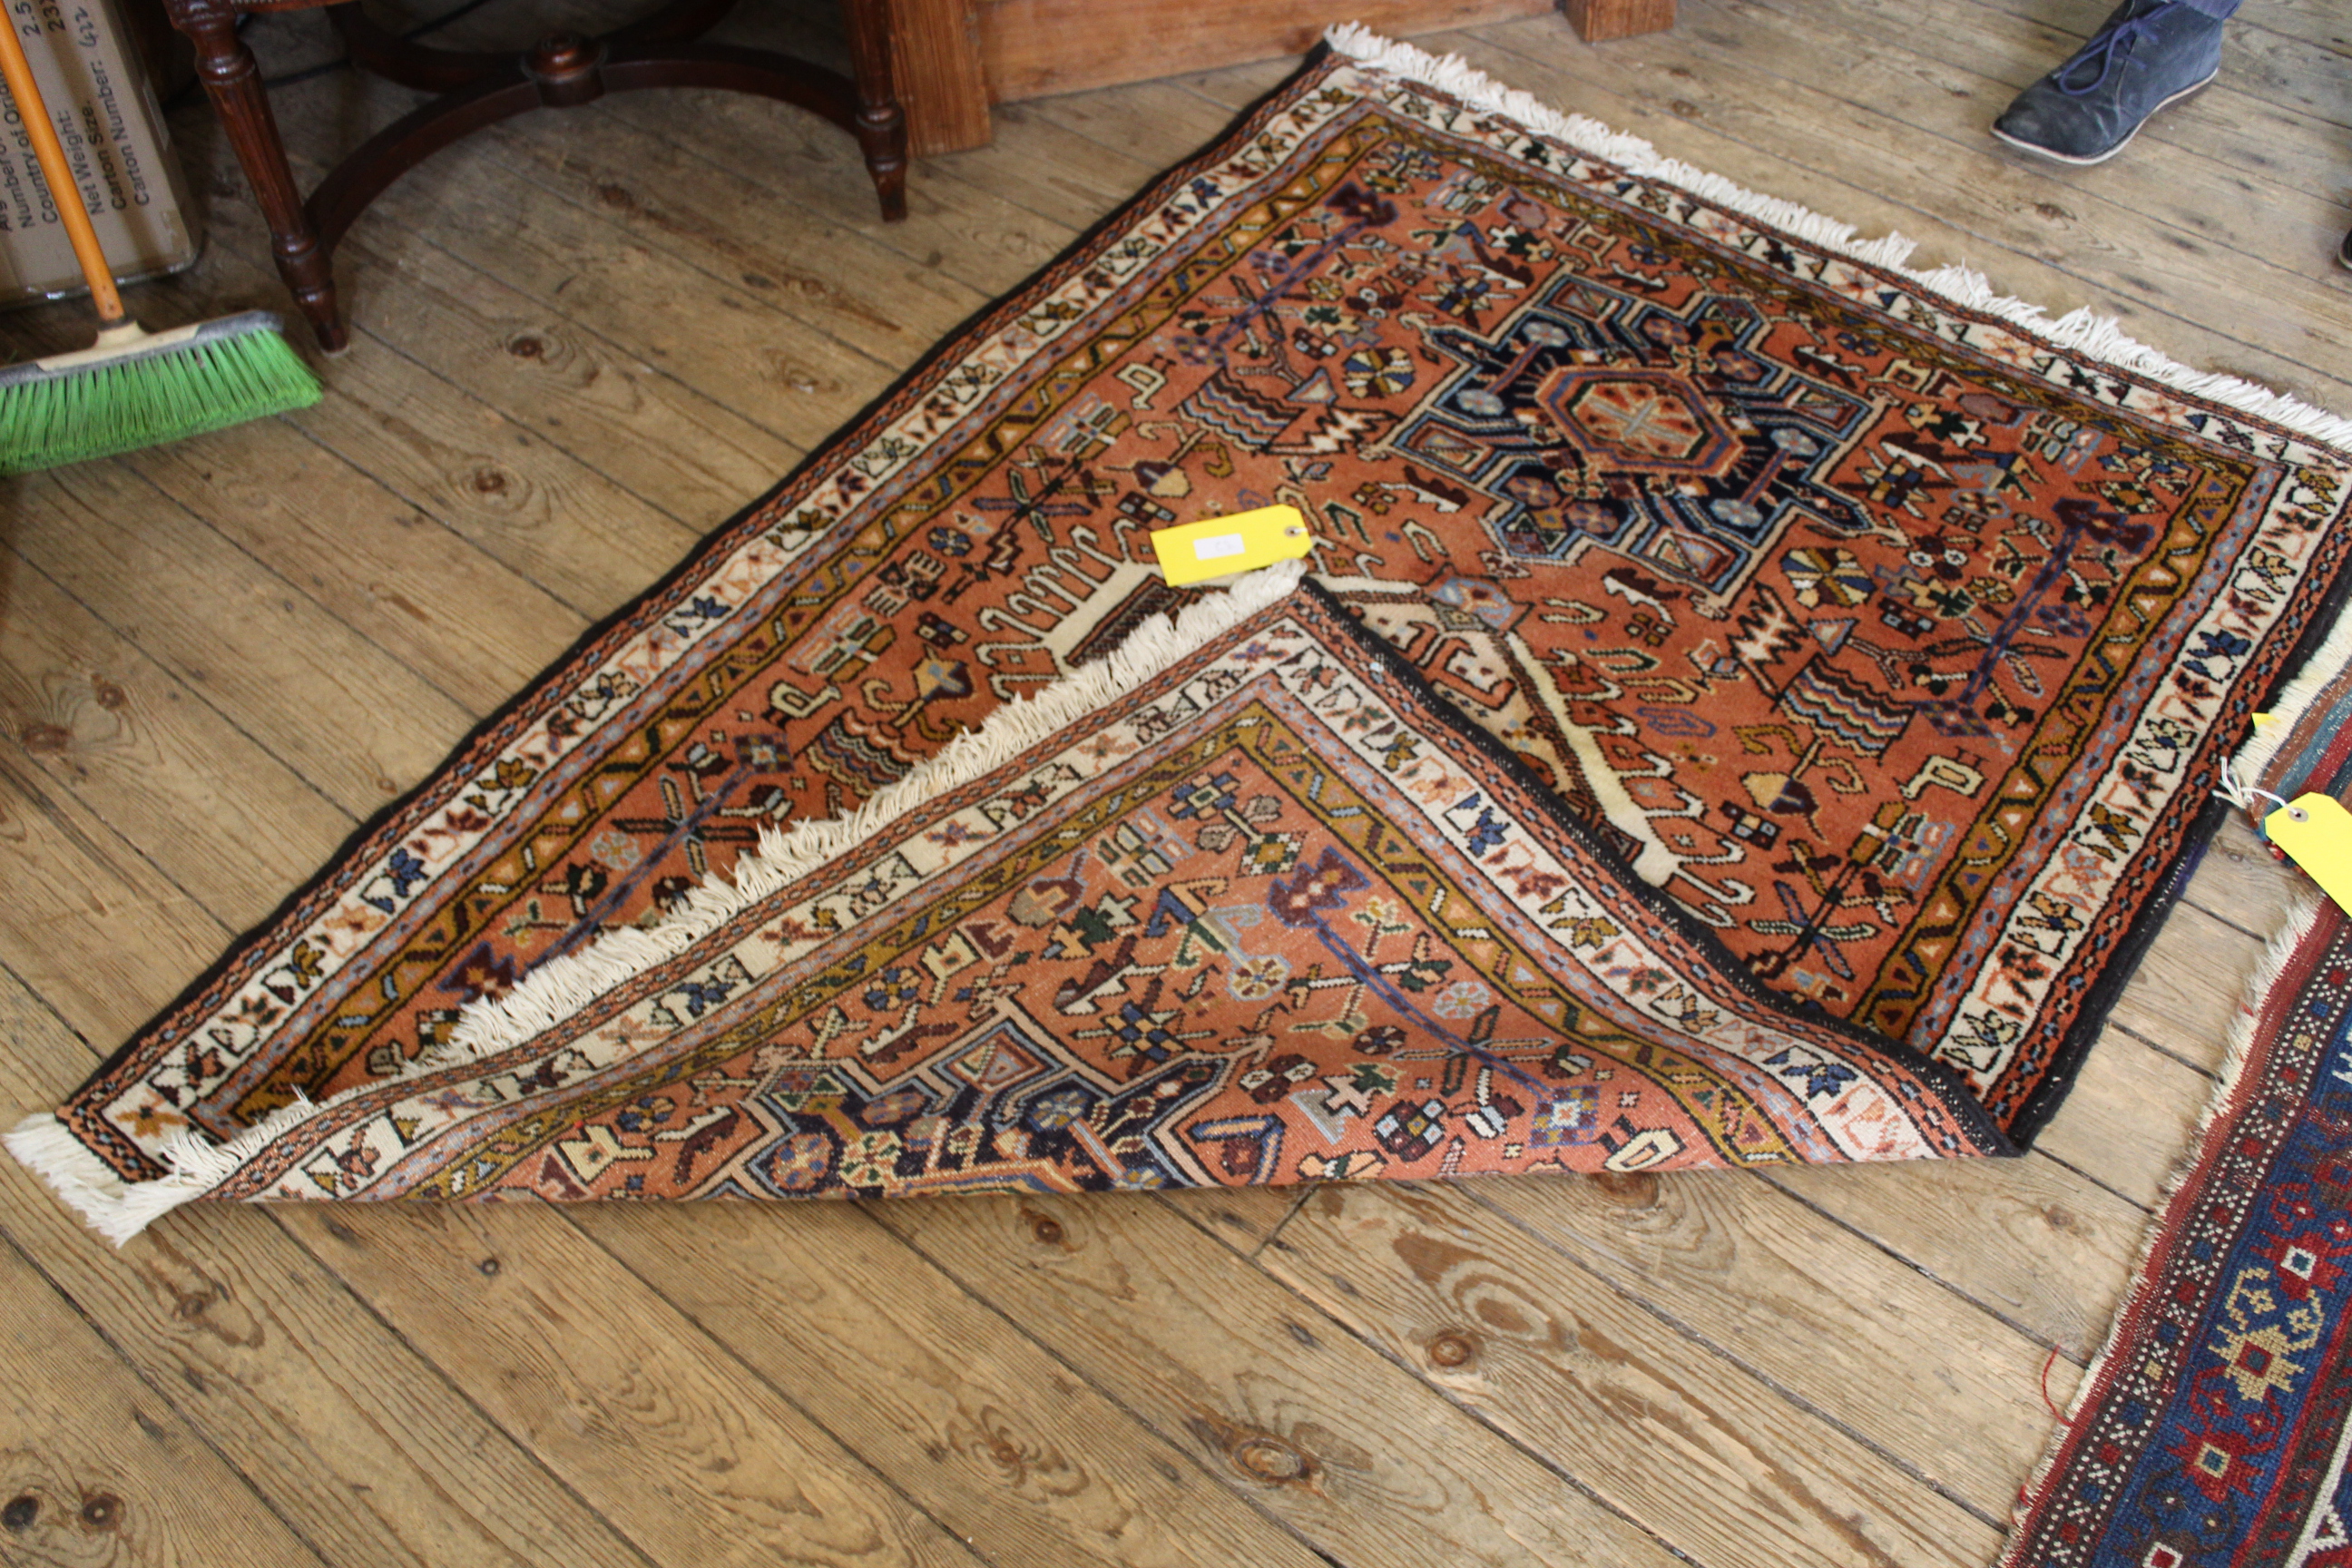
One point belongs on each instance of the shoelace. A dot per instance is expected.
(2107, 48)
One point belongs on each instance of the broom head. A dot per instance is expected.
(139, 389)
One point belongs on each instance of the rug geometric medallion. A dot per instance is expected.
(1878, 640)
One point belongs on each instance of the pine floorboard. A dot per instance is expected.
(584, 341)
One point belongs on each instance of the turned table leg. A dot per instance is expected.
(481, 90)
(233, 84)
(881, 125)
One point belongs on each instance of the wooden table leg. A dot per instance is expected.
(881, 125)
(233, 84)
(564, 70)
(1597, 21)
(935, 66)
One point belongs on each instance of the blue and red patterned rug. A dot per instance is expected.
(1860, 648)
(2214, 1427)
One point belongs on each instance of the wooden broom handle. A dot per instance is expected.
(57, 174)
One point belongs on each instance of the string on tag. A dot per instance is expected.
(2242, 795)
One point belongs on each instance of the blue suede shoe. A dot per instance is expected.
(2148, 54)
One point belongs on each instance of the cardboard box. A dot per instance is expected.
(115, 141)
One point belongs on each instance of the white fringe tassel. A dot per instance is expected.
(558, 988)
(2236, 1053)
(120, 1210)
(47, 1147)
(2079, 331)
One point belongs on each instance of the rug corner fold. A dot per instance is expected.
(45, 1145)
(560, 986)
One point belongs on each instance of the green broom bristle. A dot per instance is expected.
(98, 410)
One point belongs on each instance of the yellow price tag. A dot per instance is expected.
(2264, 721)
(2317, 831)
(1222, 546)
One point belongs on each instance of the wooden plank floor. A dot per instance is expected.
(583, 341)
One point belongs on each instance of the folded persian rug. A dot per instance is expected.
(1264, 911)
(1859, 647)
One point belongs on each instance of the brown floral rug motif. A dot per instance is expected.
(1890, 632)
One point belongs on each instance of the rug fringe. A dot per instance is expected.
(2237, 1051)
(2078, 332)
(47, 1147)
(120, 1210)
(563, 985)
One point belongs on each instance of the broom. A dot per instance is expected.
(133, 388)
